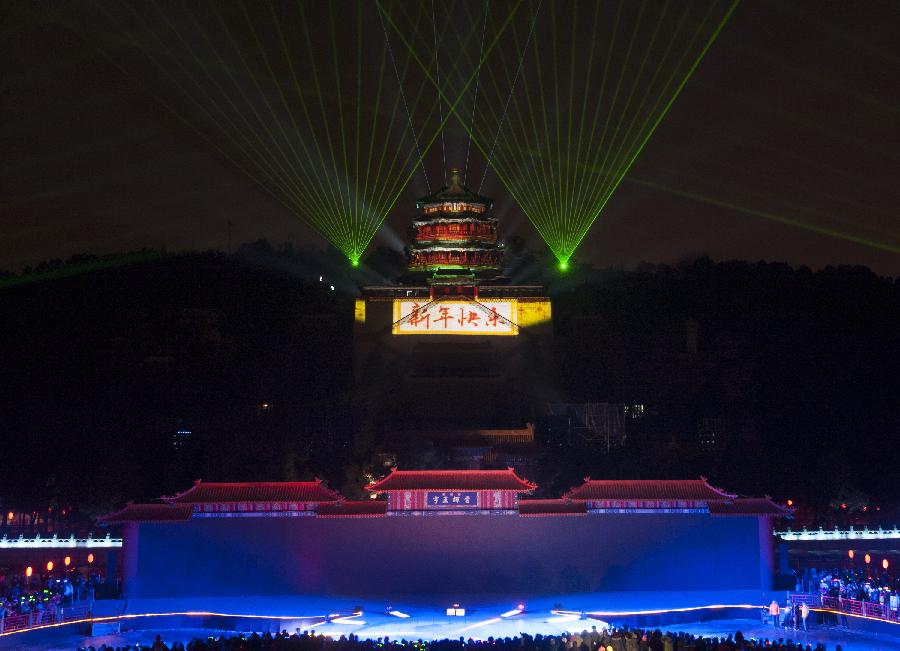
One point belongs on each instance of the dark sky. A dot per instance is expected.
(784, 145)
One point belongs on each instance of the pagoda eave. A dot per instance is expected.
(454, 218)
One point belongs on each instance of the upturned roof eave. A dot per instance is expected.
(577, 492)
(317, 484)
(396, 476)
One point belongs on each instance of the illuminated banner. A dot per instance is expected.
(452, 499)
(447, 317)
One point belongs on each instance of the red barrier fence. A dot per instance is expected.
(811, 599)
(862, 608)
(44, 617)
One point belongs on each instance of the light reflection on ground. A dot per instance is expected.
(489, 617)
(432, 625)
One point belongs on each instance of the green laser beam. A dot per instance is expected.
(770, 216)
(551, 206)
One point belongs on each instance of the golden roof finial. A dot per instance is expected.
(455, 181)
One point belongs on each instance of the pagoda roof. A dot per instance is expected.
(749, 506)
(355, 509)
(451, 480)
(534, 508)
(648, 489)
(149, 513)
(286, 491)
(454, 191)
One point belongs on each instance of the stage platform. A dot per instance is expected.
(317, 605)
(410, 617)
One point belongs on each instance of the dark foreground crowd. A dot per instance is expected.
(619, 640)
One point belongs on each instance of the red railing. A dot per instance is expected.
(862, 608)
(811, 599)
(42, 618)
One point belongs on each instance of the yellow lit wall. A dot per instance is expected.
(533, 312)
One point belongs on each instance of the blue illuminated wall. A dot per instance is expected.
(445, 555)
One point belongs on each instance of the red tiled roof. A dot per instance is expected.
(452, 480)
(647, 489)
(285, 491)
(532, 508)
(749, 506)
(361, 509)
(150, 513)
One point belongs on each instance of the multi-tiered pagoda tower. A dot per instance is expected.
(455, 231)
(452, 354)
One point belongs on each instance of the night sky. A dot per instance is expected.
(784, 146)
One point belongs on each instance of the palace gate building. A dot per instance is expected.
(450, 533)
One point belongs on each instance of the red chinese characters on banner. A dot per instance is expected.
(454, 317)
(444, 316)
(418, 315)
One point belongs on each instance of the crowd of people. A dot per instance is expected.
(618, 640)
(851, 584)
(44, 599)
(791, 615)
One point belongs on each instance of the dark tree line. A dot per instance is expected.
(250, 354)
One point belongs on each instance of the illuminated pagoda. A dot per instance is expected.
(453, 325)
(455, 231)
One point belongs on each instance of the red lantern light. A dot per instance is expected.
(10, 516)
(67, 560)
(790, 502)
(49, 566)
(884, 563)
(90, 558)
(29, 571)
(850, 554)
(868, 559)
(843, 506)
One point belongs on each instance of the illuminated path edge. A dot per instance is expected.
(322, 619)
(307, 622)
